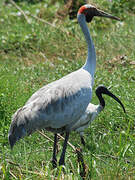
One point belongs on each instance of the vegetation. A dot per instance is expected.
(34, 53)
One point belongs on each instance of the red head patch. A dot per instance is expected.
(82, 10)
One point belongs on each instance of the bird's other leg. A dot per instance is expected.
(81, 163)
(62, 157)
(54, 159)
(82, 140)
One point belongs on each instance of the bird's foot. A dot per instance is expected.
(54, 163)
(62, 166)
(81, 163)
(61, 162)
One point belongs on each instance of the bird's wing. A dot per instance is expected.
(39, 93)
(59, 107)
(60, 103)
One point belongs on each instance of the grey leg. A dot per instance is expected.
(62, 157)
(54, 159)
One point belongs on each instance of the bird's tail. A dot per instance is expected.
(17, 130)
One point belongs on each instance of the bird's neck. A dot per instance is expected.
(101, 99)
(90, 64)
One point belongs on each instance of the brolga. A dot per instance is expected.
(56, 107)
(93, 111)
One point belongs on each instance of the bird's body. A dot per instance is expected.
(59, 105)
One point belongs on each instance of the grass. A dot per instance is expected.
(32, 55)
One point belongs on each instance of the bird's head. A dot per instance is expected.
(103, 90)
(90, 11)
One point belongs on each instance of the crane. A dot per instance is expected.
(56, 107)
(93, 111)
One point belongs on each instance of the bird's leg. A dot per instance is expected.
(82, 140)
(81, 163)
(54, 159)
(62, 157)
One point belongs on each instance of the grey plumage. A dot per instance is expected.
(59, 105)
(55, 107)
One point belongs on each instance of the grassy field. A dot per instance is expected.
(35, 53)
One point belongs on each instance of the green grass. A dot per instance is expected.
(32, 55)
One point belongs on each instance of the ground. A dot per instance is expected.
(42, 47)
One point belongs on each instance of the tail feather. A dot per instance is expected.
(17, 130)
(16, 135)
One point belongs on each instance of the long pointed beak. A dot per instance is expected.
(115, 98)
(104, 14)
